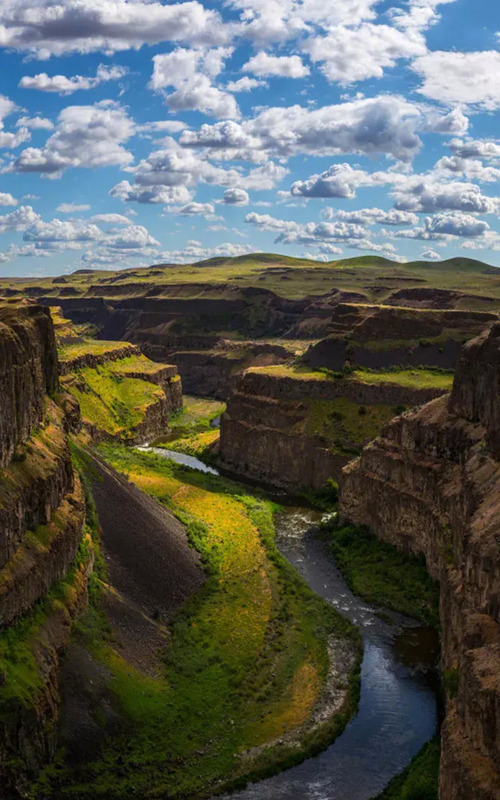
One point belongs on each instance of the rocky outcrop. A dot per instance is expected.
(296, 430)
(93, 360)
(28, 371)
(377, 336)
(45, 557)
(431, 485)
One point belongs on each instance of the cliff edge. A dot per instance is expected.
(430, 484)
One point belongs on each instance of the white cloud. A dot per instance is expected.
(10, 140)
(45, 28)
(150, 194)
(7, 199)
(468, 78)
(430, 255)
(111, 219)
(19, 220)
(244, 84)
(194, 209)
(348, 55)
(191, 74)
(62, 85)
(265, 66)
(385, 124)
(429, 194)
(62, 231)
(236, 197)
(443, 225)
(35, 123)
(85, 136)
(475, 148)
(371, 216)
(340, 180)
(195, 251)
(72, 208)
(162, 126)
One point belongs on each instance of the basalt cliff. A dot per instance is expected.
(45, 554)
(431, 484)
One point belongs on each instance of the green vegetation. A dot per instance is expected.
(92, 347)
(246, 662)
(111, 402)
(415, 378)
(345, 425)
(419, 781)
(190, 428)
(371, 277)
(382, 574)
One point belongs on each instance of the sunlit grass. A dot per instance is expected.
(247, 658)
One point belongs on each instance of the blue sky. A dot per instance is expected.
(135, 131)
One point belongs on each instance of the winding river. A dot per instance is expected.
(397, 709)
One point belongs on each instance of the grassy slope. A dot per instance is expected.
(190, 429)
(112, 403)
(419, 781)
(297, 277)
(384, 575)
(247, 658)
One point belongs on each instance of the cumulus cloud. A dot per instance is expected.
(427, 194)
(244, 84)
(340, 180)
(194, 209)
(349, 54)
(468, 78)
(265, 65)
(236, 197)
(85, 136)
(44, 28)
(62, 85)
(6, 199)
(7, 139)
(443, 225)
(372, 216)
(386, 124)
(430, 255)
(150, 194)
(196, 251)
(191, 74)
(35, 123)
(19, 220)
(111, 219)
(475, 148)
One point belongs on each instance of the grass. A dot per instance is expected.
(246, 663)
(373, 278)
(417, 378)
(190, 429)
(419, 781)
(343, 424)
(86, 346)
(382, 574)
(111, 402)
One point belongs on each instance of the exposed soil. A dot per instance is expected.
(149, 561)
(151, 571)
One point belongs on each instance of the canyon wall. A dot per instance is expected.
(431, 485)
(380, 336)
(45, 554)
(297, 430)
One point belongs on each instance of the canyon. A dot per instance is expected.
(431, 485)
(379, 381)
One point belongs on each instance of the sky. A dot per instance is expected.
(135, 132)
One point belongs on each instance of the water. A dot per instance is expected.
(397, 709)
(180, 458)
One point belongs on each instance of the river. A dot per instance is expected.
(397, 709)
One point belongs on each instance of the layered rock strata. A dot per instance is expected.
(431, 485)
(297, 432)
(45, 556)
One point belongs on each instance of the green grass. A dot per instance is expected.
(419, 781)
(382, 574)
(246, 662)
(343, 424)
(93, 347)
(417, 378)
(111, 402)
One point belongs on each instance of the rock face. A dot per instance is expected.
(431, 485)
(45, 556)
(383, 336)
(296, 431)
(28, 371)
